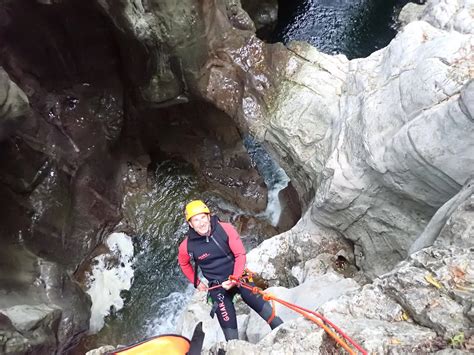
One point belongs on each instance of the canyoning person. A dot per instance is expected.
(217, 249)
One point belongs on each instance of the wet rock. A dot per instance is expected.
(290, 208)
(230, 183)
(264, 14)
(253, 231)
(159, 58)
(14, 104)
(59, 179)
(32, 329)
(238, 17)
(209, 140)
(43, 303)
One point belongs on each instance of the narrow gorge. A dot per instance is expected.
(344, 159)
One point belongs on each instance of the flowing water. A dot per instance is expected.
(274, 176)
(159, 291)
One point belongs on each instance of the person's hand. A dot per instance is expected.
(227, 285)
(202, 287)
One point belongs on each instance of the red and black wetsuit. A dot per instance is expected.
(220, 255)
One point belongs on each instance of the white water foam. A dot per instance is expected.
(107, 279)
(273, 210)
(171, 308)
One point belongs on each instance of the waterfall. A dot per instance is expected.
(274, 176)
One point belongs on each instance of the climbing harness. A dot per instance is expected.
(336, 333)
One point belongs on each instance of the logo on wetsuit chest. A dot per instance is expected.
(203, 256)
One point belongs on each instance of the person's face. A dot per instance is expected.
(201, 223)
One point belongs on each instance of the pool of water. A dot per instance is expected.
(355, 28)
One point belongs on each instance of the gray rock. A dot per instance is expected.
(102, 350)
(299, 336)
(33, 329)
(309, 295)
(450, 15)
(373, 146)
(434, 288)
(464, 231)
(410, 12)
(37, 294)
(459, 228)
(275, 257)
(386, 178)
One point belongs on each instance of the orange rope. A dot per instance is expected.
(309, 315)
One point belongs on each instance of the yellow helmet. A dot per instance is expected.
(195, 207)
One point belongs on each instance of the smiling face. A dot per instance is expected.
(201, 223)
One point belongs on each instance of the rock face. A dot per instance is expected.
(457, 210)
(60, 189)
(386, 177)
(42, 309)
(450, 15)
(208, 139)
(366, 140)
(426, 300)
(275, 258)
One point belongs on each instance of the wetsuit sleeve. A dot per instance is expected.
(237, 248)
(185, 261)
